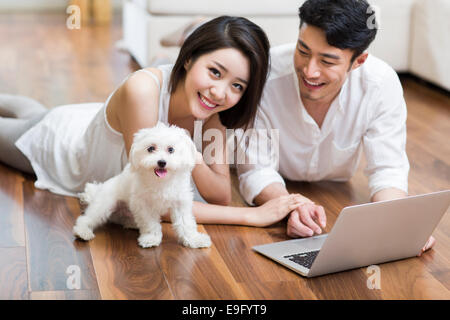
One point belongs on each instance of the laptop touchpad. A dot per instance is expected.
(303, 245)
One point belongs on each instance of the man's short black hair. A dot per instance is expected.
(348, 24)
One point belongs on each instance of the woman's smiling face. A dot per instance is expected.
(216, 81)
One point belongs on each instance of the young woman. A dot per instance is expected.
(218, 78)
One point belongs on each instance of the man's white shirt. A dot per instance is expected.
(368, 114)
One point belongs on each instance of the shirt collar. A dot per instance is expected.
(341, 95)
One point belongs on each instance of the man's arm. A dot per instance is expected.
(388, 194)
(270, 192)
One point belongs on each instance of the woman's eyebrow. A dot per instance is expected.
(226, 70)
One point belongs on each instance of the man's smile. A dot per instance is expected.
(313, 85)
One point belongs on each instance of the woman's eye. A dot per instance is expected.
(215, 72)
(238, 86)
(151, 149)
(170, 149)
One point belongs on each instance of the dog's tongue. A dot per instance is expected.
(160, 172)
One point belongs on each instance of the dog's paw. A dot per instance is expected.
(83, 232)
(148, 240)
(196, 240)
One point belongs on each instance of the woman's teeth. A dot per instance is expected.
(207, 103)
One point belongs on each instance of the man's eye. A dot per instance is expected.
(215, 72)
(151, 149)
(327, 63)
(170, 149)
(303, 53)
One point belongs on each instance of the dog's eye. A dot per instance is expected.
(151, 149)
(170, 149)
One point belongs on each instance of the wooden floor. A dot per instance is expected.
(41, 58)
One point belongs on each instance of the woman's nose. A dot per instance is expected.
(218, 93)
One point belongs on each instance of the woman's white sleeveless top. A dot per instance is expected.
(74, 144)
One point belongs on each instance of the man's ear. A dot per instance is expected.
(359, 61)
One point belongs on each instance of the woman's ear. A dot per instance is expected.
(187, 64)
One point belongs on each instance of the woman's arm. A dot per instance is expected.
(134, 106)
(212, 174)
(269, 213)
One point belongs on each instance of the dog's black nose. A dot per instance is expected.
(162, 163)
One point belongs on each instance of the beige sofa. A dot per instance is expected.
(413, 35)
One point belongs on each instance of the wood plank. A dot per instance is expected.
(123, 269)
(278, 290)
(65, 295)
(11, 208)
(234, 244)
(437, 260)
(350, 284)
(51, 249)
(13, 274)
(410, 279)
(196, 273)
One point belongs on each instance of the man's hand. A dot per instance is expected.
(430, 243)
(306, 220)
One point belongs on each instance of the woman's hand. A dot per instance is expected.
(273, 210)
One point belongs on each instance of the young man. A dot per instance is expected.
(330, 100)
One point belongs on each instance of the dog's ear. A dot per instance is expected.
(138, 137)
(133, 158)
(190, 148)
(142, 133)
(160, 125)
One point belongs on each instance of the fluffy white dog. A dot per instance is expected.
(155, 181)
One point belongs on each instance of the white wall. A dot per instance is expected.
(41, 5)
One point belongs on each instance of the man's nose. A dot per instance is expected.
(311, 69)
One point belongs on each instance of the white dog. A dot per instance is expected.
(155, 181)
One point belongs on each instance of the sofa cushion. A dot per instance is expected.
(392, 41)
(430, 43)
(222, 7)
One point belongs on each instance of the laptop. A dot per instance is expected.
(364, 235)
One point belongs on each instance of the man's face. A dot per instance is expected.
(321, 68)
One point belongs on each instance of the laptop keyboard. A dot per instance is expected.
(304, 259)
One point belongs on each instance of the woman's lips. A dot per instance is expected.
(206, 103)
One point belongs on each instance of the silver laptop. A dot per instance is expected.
(364, 235)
